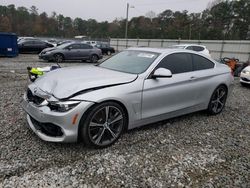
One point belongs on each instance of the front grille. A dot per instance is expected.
(245, 79)
(49, 129)
(33, 98)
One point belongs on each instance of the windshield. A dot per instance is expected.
(64, 45)
(130, 61)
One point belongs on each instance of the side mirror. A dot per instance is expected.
(162, 73)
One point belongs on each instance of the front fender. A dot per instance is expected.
(130, 95)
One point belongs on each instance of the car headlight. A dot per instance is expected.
(48, 52)
(63, 106)
(246, 72)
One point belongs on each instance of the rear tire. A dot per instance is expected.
(94, 58)
(103, 125)
(218, 100)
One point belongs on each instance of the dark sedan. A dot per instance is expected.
(71, 51)
(32, 46)
(106, 49)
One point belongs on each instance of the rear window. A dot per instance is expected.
(198, 48)
(201, 63)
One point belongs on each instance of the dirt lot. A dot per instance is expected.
(195, 150)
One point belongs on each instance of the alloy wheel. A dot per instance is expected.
(94, 59)
(106, 125)
(218, 100)
(58, 58)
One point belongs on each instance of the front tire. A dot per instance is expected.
(103, 125)
(218, 100)
(108, 53)
(58, 58)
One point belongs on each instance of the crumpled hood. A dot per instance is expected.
(65, 82)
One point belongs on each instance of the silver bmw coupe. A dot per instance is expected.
(138, 86)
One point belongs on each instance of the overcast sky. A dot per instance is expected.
(102, 10)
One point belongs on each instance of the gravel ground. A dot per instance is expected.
(195, 150)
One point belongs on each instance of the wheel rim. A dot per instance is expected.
(94, 59)
(218, 100)
(59, 58)
(109, 53)
(106, 125)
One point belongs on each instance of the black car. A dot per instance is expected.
(106, 49)
(33, 46)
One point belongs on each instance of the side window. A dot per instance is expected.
(190, 48)
(177, 63)
(198, 48)
(86, 46)
(39, 43)
(75, 46)
(28, 42)
(201, 63)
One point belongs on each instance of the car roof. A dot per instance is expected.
(190, 45)
(167, 51)
(158, 50)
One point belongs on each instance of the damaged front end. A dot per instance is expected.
(52, 119)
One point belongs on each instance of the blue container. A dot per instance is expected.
(8, 45)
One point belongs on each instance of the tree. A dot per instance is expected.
(5, 25)
(150, 15)
(223, 19)
(34, 10)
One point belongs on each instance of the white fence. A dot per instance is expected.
(217, 48)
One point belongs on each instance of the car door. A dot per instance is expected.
(165, 95)
(27, 46)
(203, 78)
(38, 46)
(86, 51)
(73, 52)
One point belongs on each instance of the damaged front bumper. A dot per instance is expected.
(54, 126)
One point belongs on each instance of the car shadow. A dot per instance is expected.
(167, 122)
(144, 128)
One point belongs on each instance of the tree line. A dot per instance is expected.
(223, 19)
